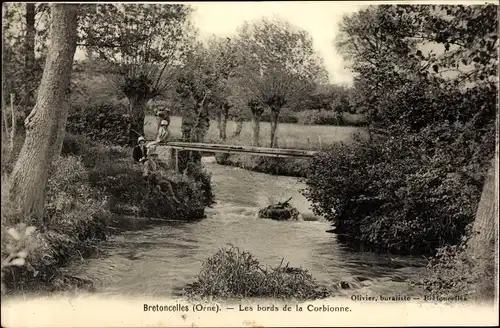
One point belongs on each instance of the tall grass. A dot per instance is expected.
(232, 273)
(293, 136)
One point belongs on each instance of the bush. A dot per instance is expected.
(17, 245)
(295, 167)
(75, 145)
(9, 156)
(319, 117)
(453, 272)
(411, 193)
(286, 116)
(112, 172)
(106, 124)
(326, 117)
(232, 273)
(204, 180)
(350, 119)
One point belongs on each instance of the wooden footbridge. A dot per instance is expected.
(175, 147)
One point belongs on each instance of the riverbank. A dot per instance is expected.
(292, 167)
(89, 185)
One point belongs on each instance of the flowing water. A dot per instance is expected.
(158, 258)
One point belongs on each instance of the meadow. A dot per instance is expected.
(294, 136)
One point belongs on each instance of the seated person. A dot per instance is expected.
(150, 165)
(140, 152)
(163, 133)
(163, 185)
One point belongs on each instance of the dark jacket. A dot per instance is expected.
(139, 152)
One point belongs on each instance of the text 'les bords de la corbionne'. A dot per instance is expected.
(246, 308)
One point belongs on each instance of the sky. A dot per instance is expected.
(319, 18)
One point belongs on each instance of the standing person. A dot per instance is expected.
(140, 152)
(162, 115)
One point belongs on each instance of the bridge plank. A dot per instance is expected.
(250, 150)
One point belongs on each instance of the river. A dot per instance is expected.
(157, 258)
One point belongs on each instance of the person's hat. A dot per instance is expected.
(164, 122)
(141, 139)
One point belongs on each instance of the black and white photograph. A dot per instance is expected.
(251, 164)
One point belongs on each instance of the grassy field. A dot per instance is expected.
(293, 136)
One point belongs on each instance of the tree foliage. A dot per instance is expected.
(393, 46)
(25, 31)
(279, 66)
(143, 42)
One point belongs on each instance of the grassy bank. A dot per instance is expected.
(294, 167)
(88, 185)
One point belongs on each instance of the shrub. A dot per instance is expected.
(286, 116)
(112, 172)
(232, 273)
(319, 117)
(74, 144)
(204, 180)
(69, 193)
(350, 119)
(9, 156)
(411, 193)
(107, 124)
(296, 167)
(453, 272)
(17, 244)
(328, 117)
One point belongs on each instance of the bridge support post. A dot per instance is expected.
(177, 160)
(171, 157)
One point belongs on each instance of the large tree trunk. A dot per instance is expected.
(483, 243)
(222, 122)
(61, 130)
(239, 127)
(29, 177)
(29, 58)
(256, 130)
(274, 128)
(195, 125)
(137, 112)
